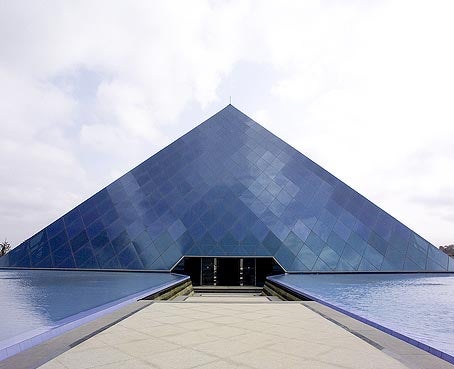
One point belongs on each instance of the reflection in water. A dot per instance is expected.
(18, 315)
(37, 299)
(416, 305)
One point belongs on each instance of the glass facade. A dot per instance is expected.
(229, 187)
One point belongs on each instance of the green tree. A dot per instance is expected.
(4, 247)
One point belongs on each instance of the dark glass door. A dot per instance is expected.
(192, 268)
(228, 272)
(264, 268)
(208, 275)
(248, 272)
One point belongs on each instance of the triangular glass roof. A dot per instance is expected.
(229, 187)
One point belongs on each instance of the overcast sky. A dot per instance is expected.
(89, 89)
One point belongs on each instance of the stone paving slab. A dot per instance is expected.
(255, 334)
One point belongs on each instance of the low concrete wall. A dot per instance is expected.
(272, 289)
(183, 288)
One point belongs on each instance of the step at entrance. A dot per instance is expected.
(228, 289)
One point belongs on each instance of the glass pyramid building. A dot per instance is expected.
(229, 188)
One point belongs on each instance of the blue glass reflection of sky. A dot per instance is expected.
(418, 306)
(38, 299)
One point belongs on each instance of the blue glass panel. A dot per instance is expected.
(320, 266)
(277, 208)
(258, 207)
(373, 256)
(58, 240)
(280, 230)
(362, 230)
(90, 215)
(301, 230)
(135, 229)
(378, 243)
(109, 217)
(284, 197)
(170, 255)
(266, 197)
(95, 228)
(259, 230)
(366, 266)
(120, 241)
(336, 243)
(314, 243)
(347, 218)
(228, 220)
(285, 257)
(307, 257)
(351, 256)
(229, 239)
(398, 243)
(217, 231)
(72, 216)
(104, 254)
(394, 259)
(389, 266)
(439, 257)
(185, 242)
(416, 256)
(249, 239)
(55, 228)
(39, 252)
(342, 230)
(322, 230)
(411, 266)
(66, 263)
(151, 254)
(229, 186)
(383, 226)
(80, 240)
(83, 255)
(15, 256)
(163, 242)
(61, 253)
(75, 228)
(272, 243)
(334, 208)
(357, 243)
(451, 264)
(434, 267)
(128, 258)
(239, 230)
(273, 188)
(142, 242)
(177, 229)
(293, 243)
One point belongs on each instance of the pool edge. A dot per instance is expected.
(431, 350)
(84, 317)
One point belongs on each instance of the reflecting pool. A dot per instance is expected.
(419, 306)
(38, 300)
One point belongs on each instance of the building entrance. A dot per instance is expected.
(228, 271)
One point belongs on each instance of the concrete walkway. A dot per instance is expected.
(225, 332)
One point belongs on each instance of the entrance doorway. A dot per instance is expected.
(228, 271)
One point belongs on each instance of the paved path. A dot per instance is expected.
(225, 332)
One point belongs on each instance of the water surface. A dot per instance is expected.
(40, 299)
(420, 306)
